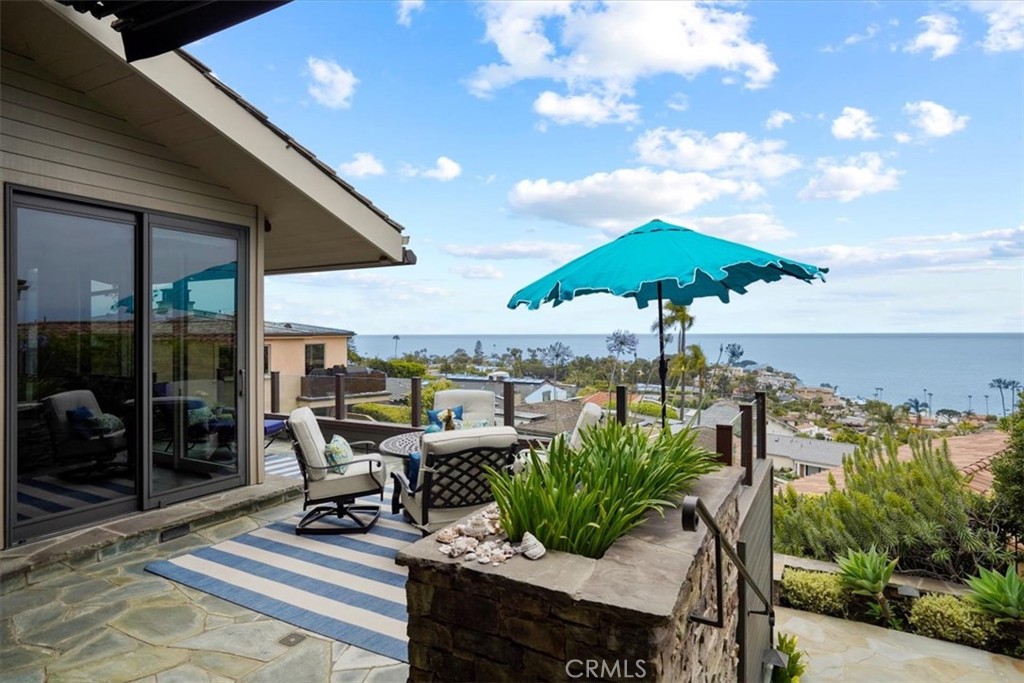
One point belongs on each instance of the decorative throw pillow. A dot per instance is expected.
(437, 416)
(412, 468)
(78, 420)
(105, 424)
(198, 416)
(476, 424)
(338, 454)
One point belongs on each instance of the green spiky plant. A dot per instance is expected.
(580, 501)
(868, 573)
(1000, 595)
(795, 664)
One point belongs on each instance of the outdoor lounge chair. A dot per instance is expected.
(451, 476)
(477, 404)
(591, 416)
(330, 492)
(78, 432)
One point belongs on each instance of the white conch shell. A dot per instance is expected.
(531, 547)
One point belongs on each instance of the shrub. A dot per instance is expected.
(1001, 596)
(947, 617)
(795, 666)
(1008, 474)
(919, 510)
(820, 592)
(384, 413)
(581, 501)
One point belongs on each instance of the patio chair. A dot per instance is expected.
(591, 416)
(331, 492)
(451, 477)
(80, 431)
(477, 404)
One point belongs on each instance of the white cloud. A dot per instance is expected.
(870, 32)
(777, 119)
(994, 246)
(858, 176)
(941, 36)
(588, 109)
(623, 198)
(934, 120)
(744, 227)
(854, 124)
(406, 9)
(332, 85)
(362, 164)
(482, 271)
(444, 170)
(678, 102)
(548, 251)
(731, 153)
(1005, 23)
(902, 138)
(604, 48)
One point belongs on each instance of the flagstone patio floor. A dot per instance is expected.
(111, 621)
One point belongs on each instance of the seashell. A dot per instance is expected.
(445, 550)
(531, 547)
(447, 535)
(477, 527)
(460, 529)
(470, 556)
(484, 559)
(495, 564)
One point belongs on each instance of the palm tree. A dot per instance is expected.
(1014, 388)
(916, 407)
(396, 338)
(1001, 384)
(677, 315)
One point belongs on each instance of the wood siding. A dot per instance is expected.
(56, 138)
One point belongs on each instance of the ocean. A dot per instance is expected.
(892, 367)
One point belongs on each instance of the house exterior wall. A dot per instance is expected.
(288, 354)
(56, 139)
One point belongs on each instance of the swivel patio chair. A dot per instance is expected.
(330, 491)
(451, 477)
(81, 432)
(591, 416)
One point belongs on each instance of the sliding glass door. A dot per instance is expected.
(125, 361)
(196, 392)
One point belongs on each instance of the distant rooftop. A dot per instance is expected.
(299, 330)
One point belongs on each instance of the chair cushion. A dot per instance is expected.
(306, 430)
(360, 478)
(443, 443)
(338, 454)
(591, 416)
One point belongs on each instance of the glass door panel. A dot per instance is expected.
(196, 409)
(75, 364)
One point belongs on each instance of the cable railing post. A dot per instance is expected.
(723, 444)
(275, 391)
(747, 443)
(621, 404)
(762, 424)
(416, 401)
(340, 409)
(508, 398)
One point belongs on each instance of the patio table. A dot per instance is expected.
(401, 445)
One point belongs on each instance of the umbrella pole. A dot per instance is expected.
(662, 365)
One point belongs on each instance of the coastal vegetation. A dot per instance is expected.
(919, 510)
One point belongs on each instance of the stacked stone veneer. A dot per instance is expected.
(623, 617)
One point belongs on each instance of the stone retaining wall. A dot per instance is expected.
(569, 618)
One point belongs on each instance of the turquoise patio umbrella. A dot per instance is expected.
(661, 261)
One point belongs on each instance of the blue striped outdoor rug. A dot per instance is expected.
(345, 587)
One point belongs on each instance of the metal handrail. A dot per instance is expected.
(693, 508)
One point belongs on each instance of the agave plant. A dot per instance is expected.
(1000, 595)
(795, 664)
(868, 573)
(582, 500)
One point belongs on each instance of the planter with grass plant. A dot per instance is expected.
(618, 583)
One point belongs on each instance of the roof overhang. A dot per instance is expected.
(314, 220)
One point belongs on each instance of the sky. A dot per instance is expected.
(882, 140)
